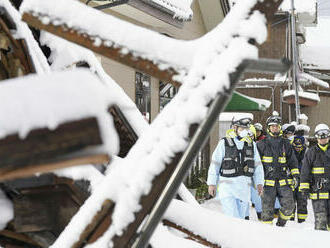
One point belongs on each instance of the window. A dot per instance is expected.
(166, 94)
(142, 94)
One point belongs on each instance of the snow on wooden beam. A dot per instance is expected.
(26, 171)
(96, 228)
(190, 234)
(19, 50)
(115, 54)
(42, 149)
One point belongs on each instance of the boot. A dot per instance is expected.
(276, 212)
(301, 220)
(320, 221)
(259, 216)
(247, 217)
(280, 222)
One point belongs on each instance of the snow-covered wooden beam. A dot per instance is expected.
(190, 234)
(23, 64)
(30, 170)
(115, 53)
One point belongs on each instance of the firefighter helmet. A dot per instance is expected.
(322, 131)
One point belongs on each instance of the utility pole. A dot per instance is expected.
(294, 60)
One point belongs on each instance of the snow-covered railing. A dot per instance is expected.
(160, 148)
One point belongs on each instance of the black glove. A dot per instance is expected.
(305, 194)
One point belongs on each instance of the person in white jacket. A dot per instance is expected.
(235, 166)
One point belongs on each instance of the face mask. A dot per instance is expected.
(244, 133)
(291, 138)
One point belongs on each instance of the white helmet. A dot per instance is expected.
(242, 121)
(322, 131)
(258, 126)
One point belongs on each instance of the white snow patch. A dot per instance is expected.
(6, 210)
(307, 95)
(48, 100)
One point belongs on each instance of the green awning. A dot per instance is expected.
(240, 102)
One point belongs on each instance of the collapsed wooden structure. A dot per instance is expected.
(53, 147)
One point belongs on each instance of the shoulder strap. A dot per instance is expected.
(229, 141)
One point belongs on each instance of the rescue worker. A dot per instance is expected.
(299, 147)
(288, 131)
(259, 132)
(315, 177)
(277, 157)
(235, 162)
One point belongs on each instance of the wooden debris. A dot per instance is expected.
(127, 135)
(190, 234)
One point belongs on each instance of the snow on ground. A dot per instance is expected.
(236, 233)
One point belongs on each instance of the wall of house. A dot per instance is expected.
(275, 46)
(318, 114)
(125, 76)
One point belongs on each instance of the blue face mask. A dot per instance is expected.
(291, 138)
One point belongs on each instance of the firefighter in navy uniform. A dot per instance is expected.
(315, 177)
(281, 172)
(299, 147)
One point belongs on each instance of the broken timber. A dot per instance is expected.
(43, 206)
(15, 58)
(45, 150)
(127, 135)
(190, 234)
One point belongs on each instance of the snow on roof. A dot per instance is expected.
(51, 99)
(23, 32)
(228, 116)
(180, 8)
(315, 52)
(168, 133)
(301, 6)
(313, 79)
(304, 94)
(237, 233)
(6, 210)
(259, 101)
(112, 31)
